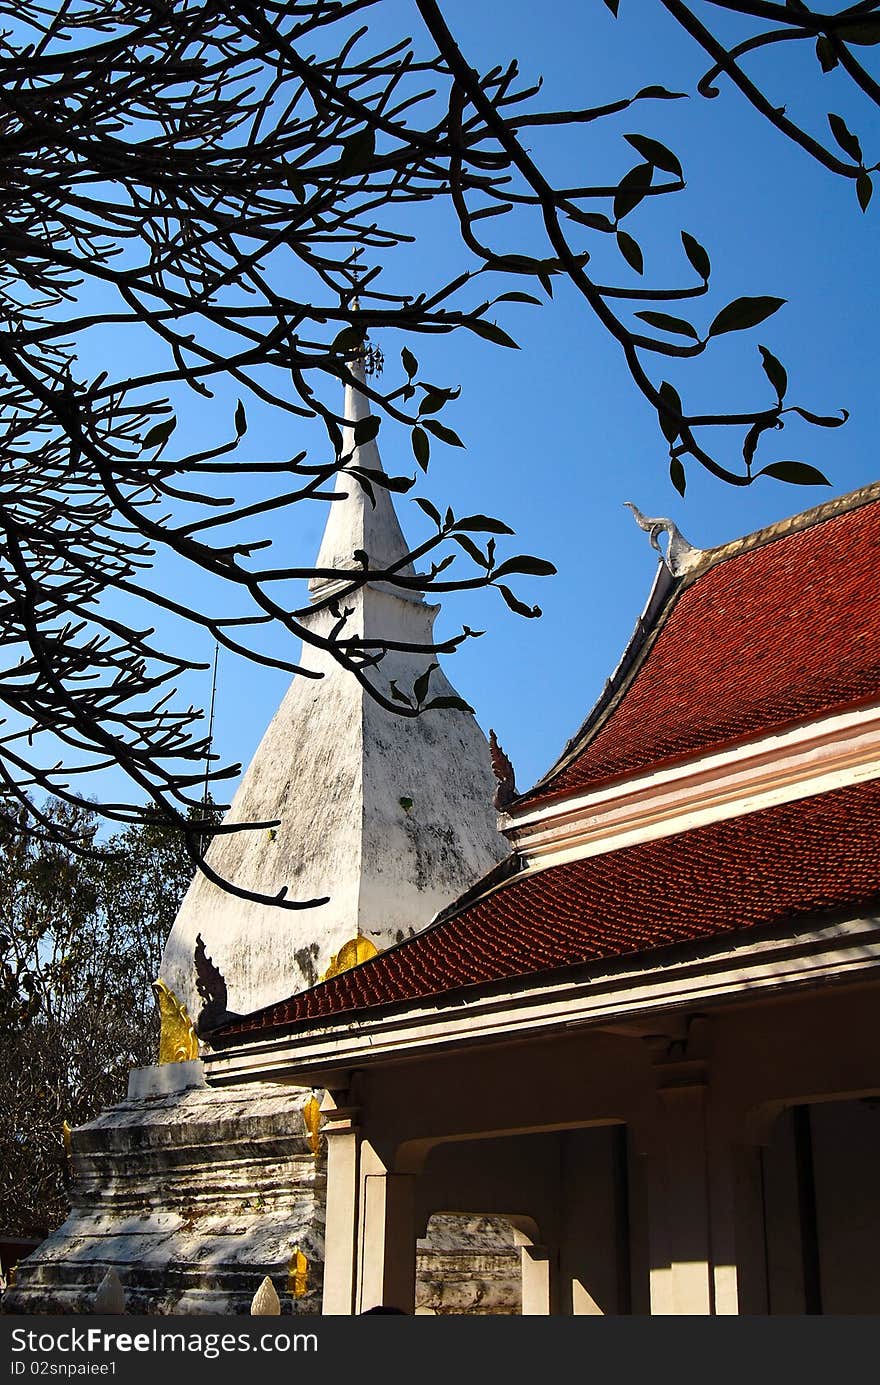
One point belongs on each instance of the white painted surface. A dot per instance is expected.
(163, 1079)
(813, 758)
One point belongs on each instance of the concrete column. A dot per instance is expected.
(537, 1264)
(387, 1259)
(680, 1247)
(721, 1189)
(753, 1291)
(340, 1242)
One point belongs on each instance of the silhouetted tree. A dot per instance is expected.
(222, 189)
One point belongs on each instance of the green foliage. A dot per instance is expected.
(81, 939)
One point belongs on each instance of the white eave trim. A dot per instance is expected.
(808, 957)
(815, 757)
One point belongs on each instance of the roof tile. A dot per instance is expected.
(765, 868)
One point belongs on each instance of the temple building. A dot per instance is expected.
(632, 1043)
(648, 1039)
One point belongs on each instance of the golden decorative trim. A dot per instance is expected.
(351, 954)
(177, 1037)
(66, 1133)
(312, 1118)
(297, 1274)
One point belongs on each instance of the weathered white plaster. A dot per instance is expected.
(161, 1079)
(391, 817)
(191, 1198)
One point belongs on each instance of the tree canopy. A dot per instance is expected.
(233, 183)
(81, 940)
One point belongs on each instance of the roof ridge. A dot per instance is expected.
(781, 528)
(665, 591)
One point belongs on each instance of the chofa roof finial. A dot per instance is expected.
(680, 556)
(212, 988)
(504, 773)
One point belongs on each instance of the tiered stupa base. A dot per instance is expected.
(192, 1196)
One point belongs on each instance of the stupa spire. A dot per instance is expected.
(388, 817)
(363, 518)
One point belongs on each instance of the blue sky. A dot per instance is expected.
(557, 436)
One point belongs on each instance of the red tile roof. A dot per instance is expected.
(785, 629)
(765, 868)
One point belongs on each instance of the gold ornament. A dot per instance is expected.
(351, 954)
(297, 1274)
(177, 1037)
(312, 1118)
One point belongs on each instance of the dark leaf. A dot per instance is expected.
(516, 296)
(527, 264)
(443, 433)
(822, 420)
(670, 397)
(530, 612)
(659, 94)
(677, 476)
(775, 371)
(399, 484)
(796, 473)
(845, 137)
(160, 432)
(432, 401)
(491, 332)
(665, 323)
(655, 153)
(613, 6)
(350, 339)
(430, 510)
(864, 189)
(752, 439)
(631, 189)
(472, 550)
(396, 693)
(410, 364)
(457, 704)
(631, 251)
(366, 429)
(743, 313)
(825, 53)
(420, 686)
(364, 485)
(421, 447)
(526, 564)
(357, 151)
(697, 255)
(596, 220)
(483, 524)
(240, 419)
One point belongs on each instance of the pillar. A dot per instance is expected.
(340, 1237)
(537, 1266)
(679, 1229)
(387, 1258)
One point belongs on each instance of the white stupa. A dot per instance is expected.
(391, 817)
